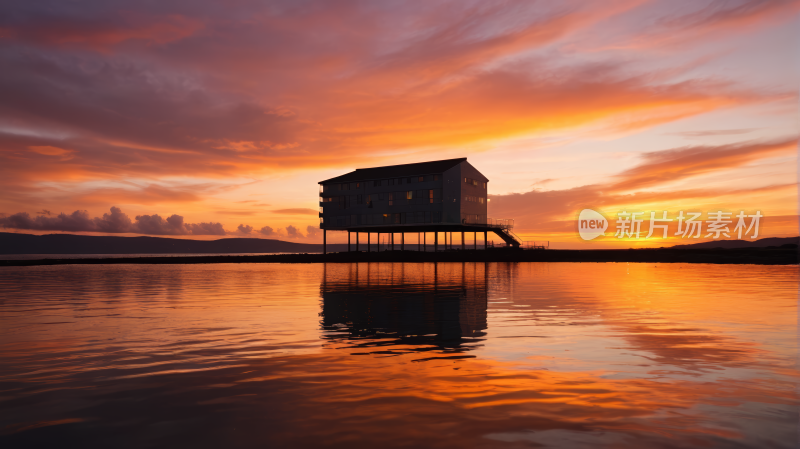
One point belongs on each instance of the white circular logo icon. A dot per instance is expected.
(591, 224)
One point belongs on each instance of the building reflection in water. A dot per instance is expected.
(405, 307)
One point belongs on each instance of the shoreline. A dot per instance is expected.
(751, 256)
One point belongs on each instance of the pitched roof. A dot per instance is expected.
(398, 171)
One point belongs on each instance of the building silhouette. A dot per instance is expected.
(429, 197)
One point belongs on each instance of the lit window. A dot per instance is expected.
(410, 194)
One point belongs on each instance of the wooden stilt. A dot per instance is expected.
(462, 240)
(348, 241)
(324, 241)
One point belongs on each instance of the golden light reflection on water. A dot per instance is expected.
(435, 355)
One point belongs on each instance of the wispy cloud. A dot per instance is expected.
(295, 211)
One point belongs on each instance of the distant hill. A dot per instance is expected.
(728, 244)
(11, 243)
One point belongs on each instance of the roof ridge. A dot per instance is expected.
(413, 163)
(398, 170)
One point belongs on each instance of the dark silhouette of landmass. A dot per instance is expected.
(760, 243)
(11, 243)
(769, 251)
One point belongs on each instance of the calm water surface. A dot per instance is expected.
(384, 355)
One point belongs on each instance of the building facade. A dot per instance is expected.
(448, 192)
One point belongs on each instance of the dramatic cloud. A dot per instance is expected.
(115, 222)
(671, 165)
(185, 103)
(293, 233)
(78, 221)
(312, 231)
(154, 224)
(244, 230)
(551, 211)
(714, 132)
(205, 228)
(175, 102)
(700, 20)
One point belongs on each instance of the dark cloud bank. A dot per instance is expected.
(117, 222)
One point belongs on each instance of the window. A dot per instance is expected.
(437, 177)
(391, 199)
(473, 218)
(391, 181)
(376, 183)
(475, 199)
(397, 218)
(408, 181)
(474, 182)
(410, 195)
(431, 196)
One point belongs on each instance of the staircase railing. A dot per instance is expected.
(514, 236)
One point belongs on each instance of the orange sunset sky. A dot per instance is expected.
(199, 119)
